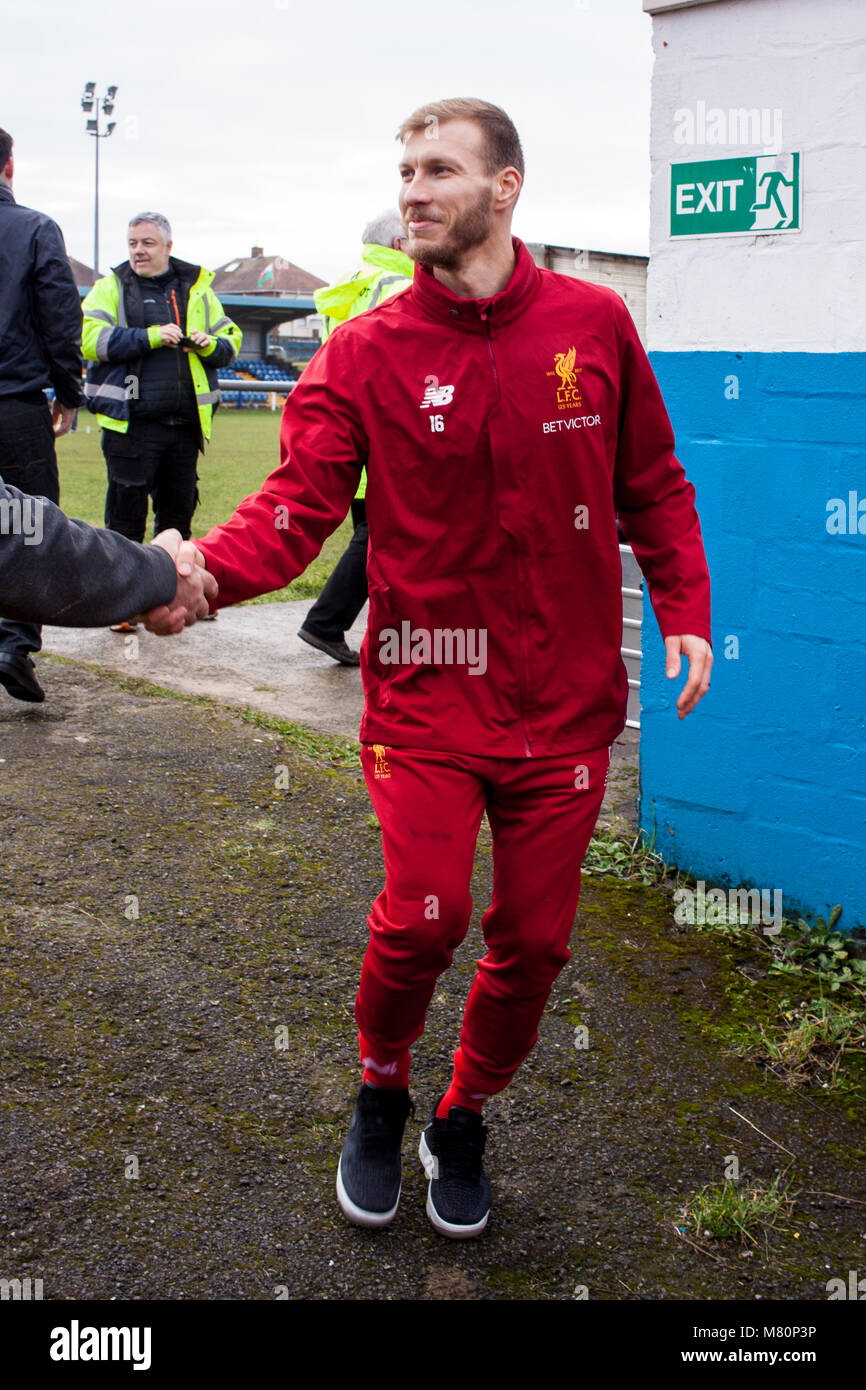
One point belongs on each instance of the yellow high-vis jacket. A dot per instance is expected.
(114, 347)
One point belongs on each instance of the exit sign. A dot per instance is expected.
(733, 197)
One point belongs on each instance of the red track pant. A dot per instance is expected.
(542, 812)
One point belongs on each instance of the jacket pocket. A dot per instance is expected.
(125, 458)
(380, 622)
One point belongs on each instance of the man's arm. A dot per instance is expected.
(55, 570)
(57, 314)
(275, 533)
(104, 340)
(655, 504)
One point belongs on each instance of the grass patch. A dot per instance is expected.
(737, 1211)
(613, 851)
(244, 449)
(820, 950)
(327, 749)
(807, 1042)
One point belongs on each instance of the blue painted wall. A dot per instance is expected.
(765, 783)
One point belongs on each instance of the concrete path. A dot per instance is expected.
(250, 656)
(253, 656)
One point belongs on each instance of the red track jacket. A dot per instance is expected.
(501, 437)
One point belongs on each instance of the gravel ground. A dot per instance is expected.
(170, 917)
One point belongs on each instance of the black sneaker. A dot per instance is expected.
(458, 1198)
(18, 674)
(336, 648)
(368, 1175)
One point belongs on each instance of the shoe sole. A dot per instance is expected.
(374, 1220)
(322, 646)
(446, 1228)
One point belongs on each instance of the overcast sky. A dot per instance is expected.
(272, 122)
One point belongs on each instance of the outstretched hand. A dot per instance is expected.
(195, 587)
(699, 654)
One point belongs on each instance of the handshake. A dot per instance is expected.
(195, 588)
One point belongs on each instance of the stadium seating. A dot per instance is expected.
(244, 369)
(263, 371)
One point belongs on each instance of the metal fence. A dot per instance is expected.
(233, 390)
(632, 615)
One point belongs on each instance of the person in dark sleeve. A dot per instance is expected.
(40, 347)
(156, 335)
(55, 570)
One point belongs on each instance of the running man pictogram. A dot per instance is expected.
(770, 183)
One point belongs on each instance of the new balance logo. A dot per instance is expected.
(436, 394)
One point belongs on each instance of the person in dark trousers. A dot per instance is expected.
(40, 347)
(60, 571)
(385, 270)
(342, 597)
(156, 335)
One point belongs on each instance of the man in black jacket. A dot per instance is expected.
(55, 570)
(40, 346)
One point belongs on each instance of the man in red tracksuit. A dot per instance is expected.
(506, 416)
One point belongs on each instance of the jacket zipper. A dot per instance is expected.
(180, 356)
(485, 318)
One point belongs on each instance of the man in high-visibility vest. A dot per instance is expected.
(386, 269)
(155, 335)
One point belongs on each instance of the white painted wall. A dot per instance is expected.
(802, 291)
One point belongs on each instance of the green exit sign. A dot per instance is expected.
(731, 197)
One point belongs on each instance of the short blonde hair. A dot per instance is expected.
(501, 142)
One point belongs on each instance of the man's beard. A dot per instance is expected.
(472, 228)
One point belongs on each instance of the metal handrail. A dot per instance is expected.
(635, 654)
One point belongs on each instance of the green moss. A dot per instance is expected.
(324, 749)
(521, 1284)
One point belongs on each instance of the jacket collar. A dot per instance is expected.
(6, 194)
(388, 258)
(184, 270)
(473, 315)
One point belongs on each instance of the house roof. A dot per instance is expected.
(84, 276)
(261, 274)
